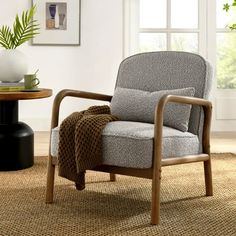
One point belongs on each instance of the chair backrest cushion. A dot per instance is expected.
(139, 105)
(168, 70)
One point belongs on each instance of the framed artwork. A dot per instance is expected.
(59, 22)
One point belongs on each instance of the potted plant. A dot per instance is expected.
(13, 63)
(227, 7)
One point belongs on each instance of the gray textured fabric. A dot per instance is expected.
(130, 144)
(138, 105)
(54, 141)
(155, 71)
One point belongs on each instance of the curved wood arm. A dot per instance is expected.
(73, 93)
(207, 107)
(54, 122)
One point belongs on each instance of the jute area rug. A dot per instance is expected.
(123, 207)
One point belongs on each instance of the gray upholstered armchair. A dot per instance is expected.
(160, 98)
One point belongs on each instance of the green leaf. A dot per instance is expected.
(24, 29)
(226, 7)
(23, 18)
(6, 37)
(31, 13)
(232, 27)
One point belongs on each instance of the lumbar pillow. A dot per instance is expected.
(139, 105)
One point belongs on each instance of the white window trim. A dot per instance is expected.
(130, 26)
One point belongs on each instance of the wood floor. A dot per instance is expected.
(220, 142)
(223, 142)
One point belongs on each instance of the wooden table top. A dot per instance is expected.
(24, 95)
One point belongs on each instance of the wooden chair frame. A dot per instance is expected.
(153, 173)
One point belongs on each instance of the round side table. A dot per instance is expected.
(16, 138)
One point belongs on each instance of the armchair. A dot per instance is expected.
(155, 144)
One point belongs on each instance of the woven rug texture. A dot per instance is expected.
(121, 207)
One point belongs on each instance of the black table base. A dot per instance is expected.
(16, 139)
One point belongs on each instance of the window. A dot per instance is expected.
(164, 25)
(188, 25)
(226, 48)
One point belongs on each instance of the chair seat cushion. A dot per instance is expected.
(130, 144)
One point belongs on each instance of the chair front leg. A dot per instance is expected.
(206, 149)
(50, 181)
(156, 202)
(157, 154)
(208, 178)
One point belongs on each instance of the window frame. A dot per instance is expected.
(131, 9)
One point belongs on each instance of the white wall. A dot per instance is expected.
(92, 66)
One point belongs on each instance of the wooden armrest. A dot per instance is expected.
(207, 107)
(73, 93)
(184, 99)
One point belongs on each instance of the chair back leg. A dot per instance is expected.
(112, 177)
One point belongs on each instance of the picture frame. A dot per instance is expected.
(59, 22)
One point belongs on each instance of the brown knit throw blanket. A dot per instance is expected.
(80, 142)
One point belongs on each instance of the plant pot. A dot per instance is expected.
(13, 65)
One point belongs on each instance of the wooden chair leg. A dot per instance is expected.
(155, 208)
(208, 178)
(112, 177)
(50, 181)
